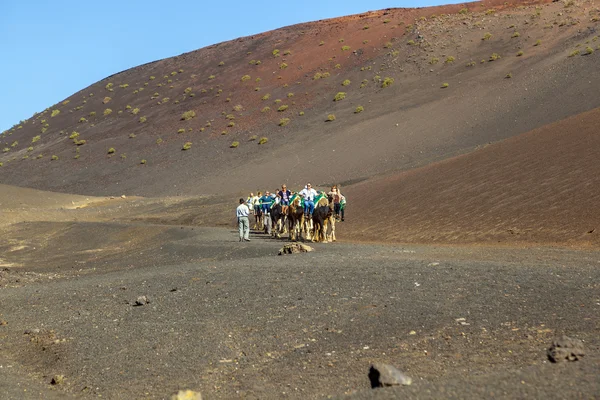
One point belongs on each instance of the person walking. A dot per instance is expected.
(242, 213)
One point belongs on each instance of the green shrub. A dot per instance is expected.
(126, 85)
(359, 109)
(284, 121)
(282, 108)
(231, 124)
(111, 150)
(143, 162)
(187, 146)
(92, 114)
(508, 76)
(277, 101)
(40, 156)
(233, 145)
(79, 142)
(516, 35)
(537, 42)
(36, 138)
(339, 96)
(463, 11)
(107, 111)
(588, 50)
(106, 100)
(74, 135)
(143, 119)
(345, 48)
(410, 43)
(321, 43)
(346, 82)
(266, 96)
(108, 86)
(221, 63)
(449, 60)
(387, 81)
(487, 36)
(180, 130)
(471, 64)
(434, 60)
(54, 158)
(82, 120)
(275, 53)
(263, 140)
(230, 116)
(330, 117)
(211, 77)
(494, 57)
(5, 150)
(159, 141)
(186, 116)
(152, 78)
(252, 138)
(290, 94)
(265, 109)
(30, 149)
(123, 156)
(131, 135)
(55, 113)
(445, 85)
(301, 113)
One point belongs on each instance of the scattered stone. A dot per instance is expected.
(382, 375)
(3, 322)
(293, 248)
(566, 349)
(57, 380)
(142, 300)
(187, 395)
(123, 196)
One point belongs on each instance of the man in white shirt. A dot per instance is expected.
(242, 213)
(309, 194)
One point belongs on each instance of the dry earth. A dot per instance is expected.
(470, 243)
(237, 321)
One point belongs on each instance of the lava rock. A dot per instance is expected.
(382, 375)
(142, 300)
(293, 248)
(566, 349)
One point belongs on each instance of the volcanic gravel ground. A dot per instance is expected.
(233, 320)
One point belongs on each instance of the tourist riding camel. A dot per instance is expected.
(308, 194)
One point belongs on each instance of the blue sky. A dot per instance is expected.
(52, 49)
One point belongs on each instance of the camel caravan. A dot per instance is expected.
(306, 215)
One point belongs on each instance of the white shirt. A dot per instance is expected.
(242, 210)
(308, 194)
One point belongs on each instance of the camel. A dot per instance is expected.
(323, 216)
(295, 218)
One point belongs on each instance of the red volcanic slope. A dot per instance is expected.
(408, 124)
(543, 186)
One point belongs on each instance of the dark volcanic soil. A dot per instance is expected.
(236, 321)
